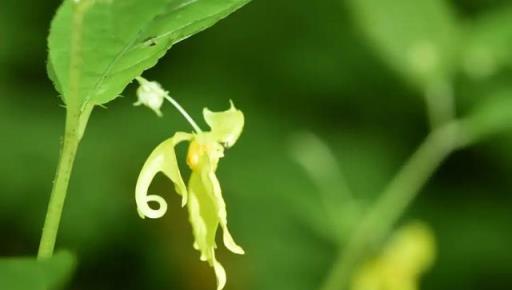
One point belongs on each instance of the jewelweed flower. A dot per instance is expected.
(202, 194)
(409, 253)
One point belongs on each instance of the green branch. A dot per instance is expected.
(77, 115)
(75, 126)
(394, 200)
(440, 103)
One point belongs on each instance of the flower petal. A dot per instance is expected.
(162, 159)
(207, 210)
(213, 190)
(225, 126)
(203, 217)
(220, 274)
(228, 240)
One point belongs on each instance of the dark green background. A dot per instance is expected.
(291, 66)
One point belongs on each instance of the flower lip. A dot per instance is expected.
(226, 126)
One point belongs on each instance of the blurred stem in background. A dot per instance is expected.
(373, 228)
(76, 122)
(336, 198)
(446, 137)
(395, 199)
(440, 103)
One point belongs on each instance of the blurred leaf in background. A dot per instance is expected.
(32, 274)
(417, 38)
(488, 45)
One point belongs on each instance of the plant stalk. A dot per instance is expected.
(393, 202)
(440, 104)
(76, 121)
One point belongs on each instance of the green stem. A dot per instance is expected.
(183, 113)
(75, 127)
(393, 202)
(440, 103)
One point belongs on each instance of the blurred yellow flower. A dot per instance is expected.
(409, 253)
(203, 195)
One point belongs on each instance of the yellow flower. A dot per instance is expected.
(203, 195)
(409, 253)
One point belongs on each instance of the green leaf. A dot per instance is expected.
(489, 45)
(97, 47)
(32, 274)
(416, 38)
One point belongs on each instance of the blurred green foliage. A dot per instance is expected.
(418, 38)
(291, 66)
(30, 274)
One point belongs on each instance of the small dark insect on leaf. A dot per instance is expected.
(150, 41)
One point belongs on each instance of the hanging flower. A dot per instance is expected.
(203, 194)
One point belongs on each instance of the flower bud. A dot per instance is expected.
(151, 95)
